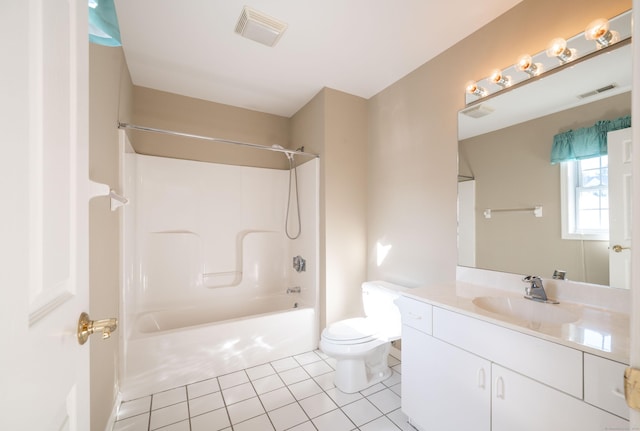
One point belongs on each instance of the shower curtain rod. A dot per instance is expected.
(278, 149)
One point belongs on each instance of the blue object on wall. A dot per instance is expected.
(103, 23)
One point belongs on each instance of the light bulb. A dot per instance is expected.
(498, 78)
(558, 48)
(598, 30)
(473, 88)
(525, 64)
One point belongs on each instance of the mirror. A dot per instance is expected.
(504, 164)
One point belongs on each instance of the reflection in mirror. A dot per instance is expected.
(505, 164)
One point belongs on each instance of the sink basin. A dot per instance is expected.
(526, 310)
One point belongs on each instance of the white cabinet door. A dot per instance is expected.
(444, 388)
(604, 385)
(522, 404)
(414, 376)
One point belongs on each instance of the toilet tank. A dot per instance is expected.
(378, 299)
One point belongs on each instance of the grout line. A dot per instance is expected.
(295, 399)
(224, 405)
(259, 400)
(186, 392)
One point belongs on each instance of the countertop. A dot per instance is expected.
(596, 330)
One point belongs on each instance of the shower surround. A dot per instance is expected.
(207, 266)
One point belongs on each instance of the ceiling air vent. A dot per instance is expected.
(478, 111)
(259, 27)
(597, 91)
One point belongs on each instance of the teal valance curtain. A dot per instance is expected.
(586, 142)
(103, 23)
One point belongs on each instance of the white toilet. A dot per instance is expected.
(360, 346)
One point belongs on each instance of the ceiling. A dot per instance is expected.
(360, 47)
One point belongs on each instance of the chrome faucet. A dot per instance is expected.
(535, 290)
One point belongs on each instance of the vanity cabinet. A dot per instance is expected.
(459, 372)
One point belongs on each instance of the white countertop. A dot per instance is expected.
(596, 330)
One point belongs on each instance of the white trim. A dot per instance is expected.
(635, 228)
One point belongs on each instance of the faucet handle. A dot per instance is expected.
(531, 280)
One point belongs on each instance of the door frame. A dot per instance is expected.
(634, 319)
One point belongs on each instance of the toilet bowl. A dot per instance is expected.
(361, 345)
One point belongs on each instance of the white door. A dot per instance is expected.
(44, 372)
(620, 179)
(467, 223)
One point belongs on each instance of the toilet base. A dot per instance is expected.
(356, 374)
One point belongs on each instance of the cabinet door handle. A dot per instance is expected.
(500, 388)
(414, 316)
(481, 378)
(618, 393)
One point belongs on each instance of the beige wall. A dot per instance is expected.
(345, 180)
(512, 170)
(169, 111)
(334, 125)
(412, 149)
(308, 130)
(109, 100)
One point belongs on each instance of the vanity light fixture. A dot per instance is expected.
(473, 88)
(598, 30)
(558, 48)
(498, 78)
(525, 64)
(565, 50)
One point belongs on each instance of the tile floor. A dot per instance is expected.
(295, 393)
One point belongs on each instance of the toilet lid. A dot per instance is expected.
(358, 330)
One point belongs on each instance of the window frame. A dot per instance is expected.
(568, 186)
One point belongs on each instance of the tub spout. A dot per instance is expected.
(293, 290)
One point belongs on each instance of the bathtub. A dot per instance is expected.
(171, 348)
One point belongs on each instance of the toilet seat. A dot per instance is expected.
(351, 331)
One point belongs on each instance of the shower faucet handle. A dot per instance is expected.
(299, 264)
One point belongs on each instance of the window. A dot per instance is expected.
(585, 199)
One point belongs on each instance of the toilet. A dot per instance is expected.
(361, 345)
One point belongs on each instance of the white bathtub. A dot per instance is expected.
(172, 348)
(219, 311)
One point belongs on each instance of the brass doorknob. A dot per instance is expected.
(618, 248)
(87, 327)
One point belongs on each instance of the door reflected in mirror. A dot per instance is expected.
(509, 166)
